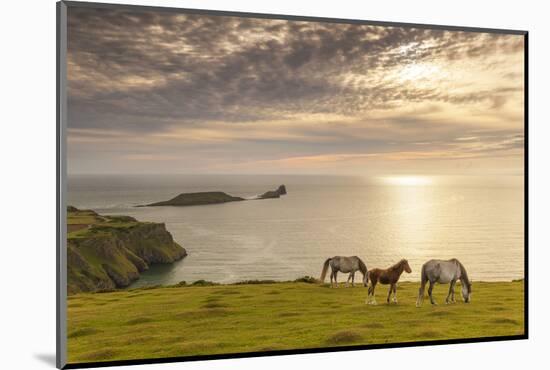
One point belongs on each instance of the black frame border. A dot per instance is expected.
(61, 118)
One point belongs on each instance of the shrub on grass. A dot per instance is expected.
(204, 283)
(307, 279)
(256, 281)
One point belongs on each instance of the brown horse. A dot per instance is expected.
(388, 276)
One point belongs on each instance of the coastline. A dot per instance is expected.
(109, 252)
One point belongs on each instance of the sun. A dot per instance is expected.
(418, 71)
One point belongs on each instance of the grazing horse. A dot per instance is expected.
(388, 276)
(444, 272)
(345, 265)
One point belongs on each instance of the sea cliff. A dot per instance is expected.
(108, 252)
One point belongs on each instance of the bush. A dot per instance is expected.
(120, 219)
(256, 281)
(203, 283)
(307, 279)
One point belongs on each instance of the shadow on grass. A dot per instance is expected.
(99, 355)
(228, 292)
(214, 304)
(373, 325)
(203, 314)
(505, 321)
(344, 337)
(429, 334)
(82, 332)
(289, 314)
(441, 313)
(139, 320)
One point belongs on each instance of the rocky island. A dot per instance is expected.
(108, 252)
(212, 197)
(281, 190)
(196, 199)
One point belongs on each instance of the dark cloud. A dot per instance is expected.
(145, 70)
(134, 75)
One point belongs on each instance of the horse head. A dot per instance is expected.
(406, 266)
(466, 291)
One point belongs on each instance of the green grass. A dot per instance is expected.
(94, 225)
(200, 320)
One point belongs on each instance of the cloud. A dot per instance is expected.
(140, 77)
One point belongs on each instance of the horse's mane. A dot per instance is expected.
(464, 274)
(398, 264)
(362, 265)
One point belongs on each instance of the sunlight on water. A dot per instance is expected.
(408, 180)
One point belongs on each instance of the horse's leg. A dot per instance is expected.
(353, 279)
(349, 278)
(453, 283)
(451, 288)
(335, 279)
(395, 293)
(374, 282)
(369, 291)
(430, 288)
(332, 278)
(389, 293)
(420, 298)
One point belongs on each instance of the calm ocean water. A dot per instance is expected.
(479, 220)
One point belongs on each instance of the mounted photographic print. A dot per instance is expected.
(235, 184)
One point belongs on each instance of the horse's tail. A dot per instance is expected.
(423, 275)
(423, 281)
(325, 268)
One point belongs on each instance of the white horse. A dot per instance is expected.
(444, 272)
(345, 264)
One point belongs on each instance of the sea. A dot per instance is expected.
(477, 219)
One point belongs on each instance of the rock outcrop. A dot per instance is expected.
(196, 199)
(211, 197)
(281, 190)
(111, 251)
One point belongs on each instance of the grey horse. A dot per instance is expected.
(345, 265)
(444, 272)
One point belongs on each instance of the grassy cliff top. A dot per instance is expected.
(86, 223)
(171, 321)
(107, 252)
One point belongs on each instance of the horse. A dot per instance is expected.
(388, 276)
(345, 265)
(444, 272)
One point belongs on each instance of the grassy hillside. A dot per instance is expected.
(198, 320)
(107, 252)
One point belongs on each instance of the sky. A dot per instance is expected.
(157, 92)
